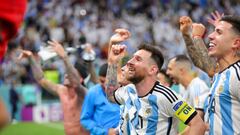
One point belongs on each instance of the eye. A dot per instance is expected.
(138, 58)
(218, 31)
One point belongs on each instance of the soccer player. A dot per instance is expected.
(151, 108)
(71, 93)
(220, 60)
(196, 90)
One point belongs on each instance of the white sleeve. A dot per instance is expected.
(177, 108)
(234, 86)
(201, 92)
(121, 95)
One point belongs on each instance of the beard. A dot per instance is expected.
(135, 79)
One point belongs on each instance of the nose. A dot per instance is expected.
(130, 62)
(211, 36)
(167, 72)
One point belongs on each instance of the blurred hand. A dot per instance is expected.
(215, 18)
(57, 47)
(185, 25)
(117, 52)
(25, 54)
(121, 35)
(198, 30)
(112, 131)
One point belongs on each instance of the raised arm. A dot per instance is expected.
(70, 70)
(115, 54)
(195, 45)
(38, 73)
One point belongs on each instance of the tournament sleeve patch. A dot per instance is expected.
(183, 111)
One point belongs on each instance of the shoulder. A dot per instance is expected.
(166, 92)
(94, 89)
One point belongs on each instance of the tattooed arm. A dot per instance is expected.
(38, 74)
(198, 53)
(112, 83)
(195, 46)
(70, 70)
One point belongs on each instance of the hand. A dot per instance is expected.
(198, 30)
(215, 18)
(57, 47)
(117, 52)
(111, 131)
(185, 25)
(121, 35)
(25, 54)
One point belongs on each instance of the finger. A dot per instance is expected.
(51, 43)
(217, 14)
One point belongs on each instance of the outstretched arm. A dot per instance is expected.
(195, 45)
(70, 70)
(38, 73)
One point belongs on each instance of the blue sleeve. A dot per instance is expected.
(88, 109)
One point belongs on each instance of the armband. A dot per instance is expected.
(184, 112)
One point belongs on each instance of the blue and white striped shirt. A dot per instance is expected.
(155, 113)
(223, 112)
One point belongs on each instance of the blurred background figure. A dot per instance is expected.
(99, 116)
(14, 99)
(196, 90)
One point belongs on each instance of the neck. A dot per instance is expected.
(145, 86)
(227, 61)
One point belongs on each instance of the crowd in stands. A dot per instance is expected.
(77, 22)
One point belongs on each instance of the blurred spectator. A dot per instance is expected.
(99, 116)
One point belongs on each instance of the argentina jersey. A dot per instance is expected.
(224, 102)
(155, 113)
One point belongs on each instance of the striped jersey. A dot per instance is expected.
(196, 93)
(155, 113)
(223, 108)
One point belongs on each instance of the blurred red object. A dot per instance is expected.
(11, 16)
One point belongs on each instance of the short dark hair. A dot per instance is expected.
(82, 69)
(156, 54)
(182, 57)
(234, 20)
(103, 70)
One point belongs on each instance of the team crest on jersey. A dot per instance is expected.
(220, 89)
(177, 105)
(148, 111)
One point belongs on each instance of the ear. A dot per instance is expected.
(154, 69)
(236, 43)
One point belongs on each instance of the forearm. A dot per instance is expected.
(39, 77)
(112, 83)
(71, 71)
(36, 69)
(199, 54)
